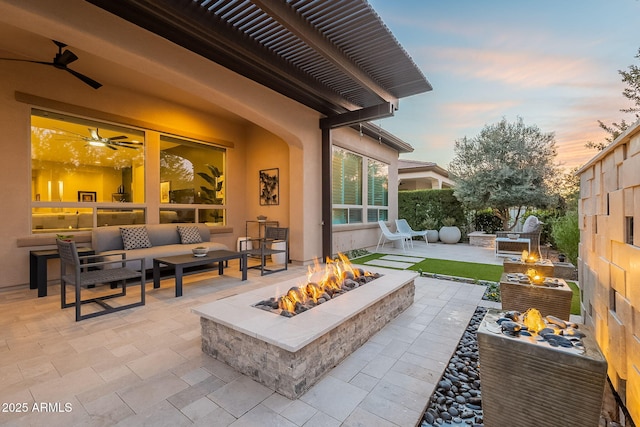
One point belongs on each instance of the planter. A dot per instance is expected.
(432, 236)
(450, 234)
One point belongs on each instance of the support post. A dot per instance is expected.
(327, 227)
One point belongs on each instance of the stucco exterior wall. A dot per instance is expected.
(154, 81)
(609, 262)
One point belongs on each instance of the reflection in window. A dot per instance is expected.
(72, 158)
(192, 173)
(48, 220)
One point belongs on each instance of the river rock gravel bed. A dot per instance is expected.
(457, 400)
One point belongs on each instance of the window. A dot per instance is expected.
(192, 174)
(78, 163)
(348, 187)
(378, 191)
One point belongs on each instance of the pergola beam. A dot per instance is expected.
(288, 18)
(367, 114)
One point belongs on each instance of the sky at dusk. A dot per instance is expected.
(553, 63)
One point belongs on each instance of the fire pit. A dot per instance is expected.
(289, 355)
(321, 286)
(539, 371)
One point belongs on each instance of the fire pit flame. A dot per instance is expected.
(536, 328)
(533, 320)
(337, 277)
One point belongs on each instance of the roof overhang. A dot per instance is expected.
(334, 56)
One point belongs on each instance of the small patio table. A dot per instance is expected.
(38, 267)
(180, 262)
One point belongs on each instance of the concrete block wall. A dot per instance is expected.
(609, 261)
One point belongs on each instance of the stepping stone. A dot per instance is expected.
(386, 263)
(402, 258)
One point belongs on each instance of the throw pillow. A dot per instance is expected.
(531, 225)
(134, 238)
(189, 234)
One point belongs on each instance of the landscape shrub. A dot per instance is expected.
(419, 205)
(566, 235)
(486, 221)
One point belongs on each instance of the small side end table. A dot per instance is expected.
(38, 267)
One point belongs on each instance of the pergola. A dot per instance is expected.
(334, 56)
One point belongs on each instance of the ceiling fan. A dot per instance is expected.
(113, 143)
(61, 62)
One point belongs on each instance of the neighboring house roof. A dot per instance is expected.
(415, 175)
(418, 166)
(333, 56)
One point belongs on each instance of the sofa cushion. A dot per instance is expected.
(134, 238)
(189, 234)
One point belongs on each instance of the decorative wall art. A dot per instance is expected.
(165, 188)
(269, 186)
(86, 196)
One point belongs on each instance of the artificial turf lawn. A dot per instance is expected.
(575, 299)
(472, 270)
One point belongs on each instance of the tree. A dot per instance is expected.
(632, 92)
(507, 165)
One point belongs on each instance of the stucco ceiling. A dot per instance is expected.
(19, 43)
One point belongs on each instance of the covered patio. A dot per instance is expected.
(145, 366)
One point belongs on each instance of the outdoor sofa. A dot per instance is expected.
(165, 240)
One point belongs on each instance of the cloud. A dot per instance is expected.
(521, 69)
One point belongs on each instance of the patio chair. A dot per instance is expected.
(82, 272)
(275, 243)
(387, 234)
(403, 227)
(532, 229)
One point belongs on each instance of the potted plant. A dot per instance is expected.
(429, 224)
(449, 233)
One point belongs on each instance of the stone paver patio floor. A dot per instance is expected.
(145, 367)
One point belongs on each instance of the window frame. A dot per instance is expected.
(365, 208)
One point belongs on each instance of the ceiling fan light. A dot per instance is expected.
(97, 143)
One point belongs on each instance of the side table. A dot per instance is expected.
(38, 267)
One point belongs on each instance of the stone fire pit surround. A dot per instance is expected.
(289, 355)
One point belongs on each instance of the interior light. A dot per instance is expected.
(97, 143)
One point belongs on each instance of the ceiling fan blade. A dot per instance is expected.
(126, 146)
(109, 146)
(94, 134)
(94, 84)
(115, 138)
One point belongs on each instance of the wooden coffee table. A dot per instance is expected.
(180, 262)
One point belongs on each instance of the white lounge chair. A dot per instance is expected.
(391, 236)
(403, 227)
